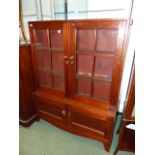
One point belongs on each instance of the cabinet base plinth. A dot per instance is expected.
(27, 123)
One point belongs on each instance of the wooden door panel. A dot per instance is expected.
(26, 86)
(87, 122)
(53, 109)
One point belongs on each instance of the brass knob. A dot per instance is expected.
(31, 25)
(64, 112)
(65, 56)
(66, 62)
(71, 62)
(71, 57)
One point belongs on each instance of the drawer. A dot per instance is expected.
(51, 109)
(86, 122)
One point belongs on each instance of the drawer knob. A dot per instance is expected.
(64, 112)
(71, 57)
(71, 62)
(66, 62)
(65, 57)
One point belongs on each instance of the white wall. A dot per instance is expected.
(46, 9)
(126, 72)
(75, 6)
(127, 66)
(29, 7)
(30, 13)
(59, 7)
(111, 8)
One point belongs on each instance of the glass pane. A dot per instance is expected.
(57, 62)
(59, 9)
(77, 9)
(104, 67)
(106, 40)
(56, 39)
(108, 9)
(46, 9)
(101, 90)
(29, 7)
(85, 64)
(84, 87)
(41, 39)
(84, 9)
(60, 16)
(43, 60)
(59, 6)
(45, 79)
(58, 82)
(86, 39)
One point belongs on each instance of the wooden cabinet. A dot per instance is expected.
(27, 109)
(78, 67)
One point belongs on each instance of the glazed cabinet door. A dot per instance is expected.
(97, 49)
(49, 43)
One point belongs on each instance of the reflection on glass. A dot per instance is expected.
(73, 9)
(83, 9)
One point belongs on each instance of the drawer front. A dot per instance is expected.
(86, 122)
(54, 110)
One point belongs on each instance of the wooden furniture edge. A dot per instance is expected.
(28, 122)
(46, 116)
(101, 113)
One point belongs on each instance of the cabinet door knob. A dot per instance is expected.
(64, 112)
(71, 62)
(65, 56)
(71, 57)
(66, 62)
